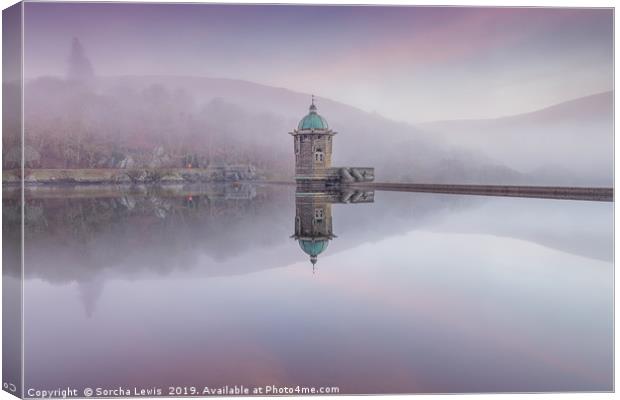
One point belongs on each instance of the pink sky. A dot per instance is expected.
(407, 63)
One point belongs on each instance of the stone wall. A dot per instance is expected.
(305, 146)
(357, 174)
(232, 173)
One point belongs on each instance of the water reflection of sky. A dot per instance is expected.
(418, 293)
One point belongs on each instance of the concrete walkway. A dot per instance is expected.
(547, 192)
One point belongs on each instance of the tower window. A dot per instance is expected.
(318, 214)
(318, 155)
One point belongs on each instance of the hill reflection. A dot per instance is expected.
(81, 234)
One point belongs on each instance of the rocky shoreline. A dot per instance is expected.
(131, 176)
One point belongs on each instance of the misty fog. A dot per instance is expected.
(82, 120)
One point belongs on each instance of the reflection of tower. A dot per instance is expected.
(90, 291)
(313, 217)
(313, 224)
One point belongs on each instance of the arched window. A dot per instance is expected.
(318, 155)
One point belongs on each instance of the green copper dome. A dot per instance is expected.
(312, 120)
(313, 247)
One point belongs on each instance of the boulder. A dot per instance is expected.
(127, 163)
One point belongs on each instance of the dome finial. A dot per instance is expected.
(312, 120)
(312, 106)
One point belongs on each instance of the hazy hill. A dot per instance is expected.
(73, 124)
(398, 151)
(568, 143)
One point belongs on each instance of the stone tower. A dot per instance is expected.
(313, 149)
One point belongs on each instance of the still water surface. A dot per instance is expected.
(416, 293)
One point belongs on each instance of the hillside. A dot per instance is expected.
(103, 123)
(568, 143)
(114, 121)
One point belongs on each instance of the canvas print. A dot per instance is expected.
(261, 199)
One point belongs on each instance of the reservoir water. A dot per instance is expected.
(408, 293)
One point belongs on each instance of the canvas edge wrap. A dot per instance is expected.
(12, 200)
